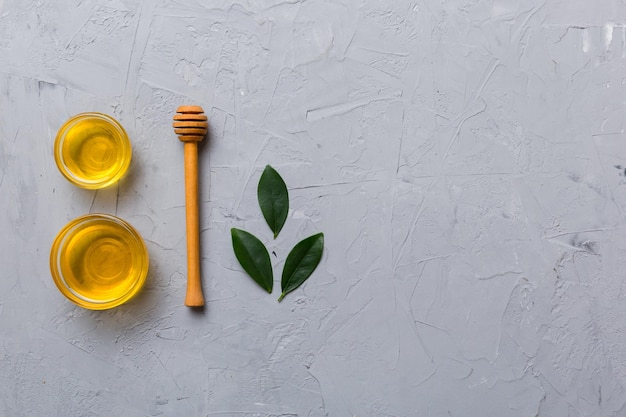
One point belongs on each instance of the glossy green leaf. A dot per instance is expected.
(301, 262)
(273, 199)
(253, 257)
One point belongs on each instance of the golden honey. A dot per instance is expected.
(99, 261)
(92, 150)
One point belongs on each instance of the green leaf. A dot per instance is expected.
(301, 262)
(273, 199)
(253, 257)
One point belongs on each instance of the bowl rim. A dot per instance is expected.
(70, 293)
(71, 176)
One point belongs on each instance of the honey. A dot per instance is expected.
(92, 150)
(99, 261)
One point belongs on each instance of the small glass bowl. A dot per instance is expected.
(99, 261)
(92, 150)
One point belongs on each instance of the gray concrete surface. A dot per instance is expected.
(465, 158)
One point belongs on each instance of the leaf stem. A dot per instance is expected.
(281, 297)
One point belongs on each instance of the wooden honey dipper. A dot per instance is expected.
(190, 124)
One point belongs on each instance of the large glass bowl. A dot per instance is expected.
(99, 261)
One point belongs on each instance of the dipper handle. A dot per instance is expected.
(190, 124)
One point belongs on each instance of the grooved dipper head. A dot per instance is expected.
(190, 123)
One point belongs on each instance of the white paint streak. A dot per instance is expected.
(607, 32)
(586, 34)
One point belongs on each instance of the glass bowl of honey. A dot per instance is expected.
(99, 261)
(92, 150)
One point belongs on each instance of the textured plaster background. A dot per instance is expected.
(465, 158)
